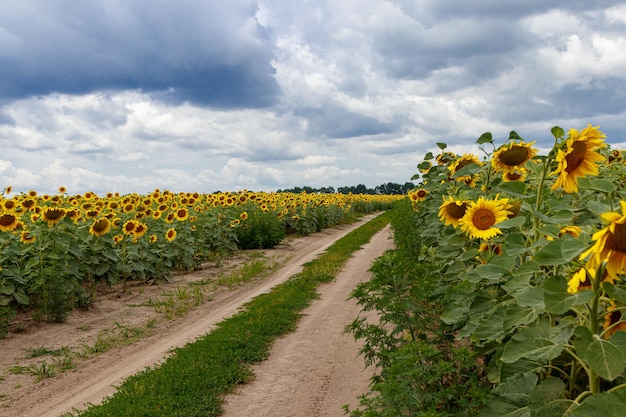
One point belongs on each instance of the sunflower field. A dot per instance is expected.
(530, 258)
(56, 249)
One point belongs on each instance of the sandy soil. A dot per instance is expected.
(123, 334)
(315, 370)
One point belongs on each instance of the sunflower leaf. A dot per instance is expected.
(606, 404)
(560, 251)
(603, 356)
(485, 138)
(469, 169)
(558, 300)
(557, 132)
(441, 145)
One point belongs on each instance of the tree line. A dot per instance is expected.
(389, 188)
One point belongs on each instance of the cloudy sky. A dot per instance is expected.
(205, 95)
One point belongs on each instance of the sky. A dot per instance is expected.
(205, 95)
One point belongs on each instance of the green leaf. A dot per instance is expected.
(513, 135)
(606, 404)
(21, 298)
(516, 316)
(513, 188)
(485, 138)
(557, 132)
(512, 223)
(562, 217)
(615, 292)
(596, 184)
(491, 272)
(429, 156)
(424, 165)
(549, 398)
(7, 288)
(538, 341)
(415, 177)
(511, 397)
(597, 207)
(558, 300)
(532, 297)
(560, 251)
(441, 145)
(469, 169)
(604, 357)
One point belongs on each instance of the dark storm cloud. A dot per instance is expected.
(199, 52)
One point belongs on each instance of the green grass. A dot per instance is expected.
(194, 380)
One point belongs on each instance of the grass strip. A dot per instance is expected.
(195, 378)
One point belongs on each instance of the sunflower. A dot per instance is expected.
(129, 227)
(8, 222)
(62, 190)
(234, 223)
(517, 175)
(170, 235)
(578, 158)
(573, 231)
(8, 189)
(53, 215)
(9, 205)
(26, 237)
(418, 195)
(465, 160)
(118, 238)
(181, 214)
(100, 227)
(513, 156)
(610, 245)
(244, 215)
(445, 157)
(29, 203)
(481, 217)
(140, 230)
(153, 238)
(580, 280)
(451, 211)
(613, 321)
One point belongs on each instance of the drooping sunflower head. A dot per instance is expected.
(100, 227)
(578, 158)
(8, 221)
(613, 321)
(482, 216)
(452, 210)
(445, 157)
(53, 215)
(513, 156)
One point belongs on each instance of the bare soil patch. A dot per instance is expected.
(123, 333)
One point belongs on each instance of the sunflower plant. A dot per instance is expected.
(532, 267)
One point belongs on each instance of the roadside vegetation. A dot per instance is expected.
(194, 379)
(506, 294)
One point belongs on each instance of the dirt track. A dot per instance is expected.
(313, 371)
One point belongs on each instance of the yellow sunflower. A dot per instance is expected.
(26, 237)
(445, 157)
(8, 222)
(100, 227)
(517, 175)
(465, 160)
(610, 245)
(451, 211)
(53, 215)
(613, 321)
(140, 230)
(170, 234)
(512, 157)
(578, 158)
(244, 216)
(580, 280)
(481, 217)
(181, 214)
(153, 238)
(129, 227)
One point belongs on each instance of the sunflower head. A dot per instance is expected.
(100, 227)
(181, 214)
(170, 235)
(451, 211)
(140, 230)
(129, 227)
(578, 158)
(482, 216)
(8, 221)
(613, 321)
(26, 237)
(580, 280)
(53, 215)
(463, 161)
(512, 156)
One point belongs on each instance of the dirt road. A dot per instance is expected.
(331, 360)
